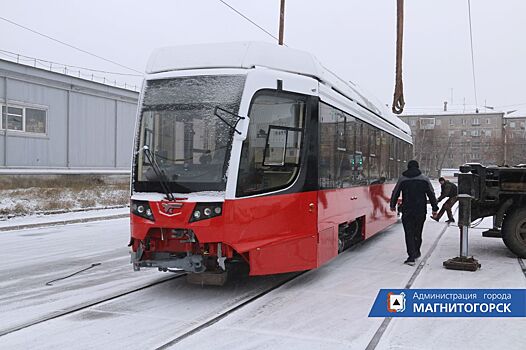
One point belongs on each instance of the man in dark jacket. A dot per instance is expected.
(450, 191)
(414, 187)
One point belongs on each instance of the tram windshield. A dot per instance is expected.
(185, 138)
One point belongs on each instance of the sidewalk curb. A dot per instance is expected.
(63, 222)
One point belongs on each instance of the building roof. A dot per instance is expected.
(519, 113)
(452, 114)
(258, 54)
(15, 70)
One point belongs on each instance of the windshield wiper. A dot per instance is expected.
(163, 180)
(233, 127)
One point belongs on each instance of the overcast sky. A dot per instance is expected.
(353, 38)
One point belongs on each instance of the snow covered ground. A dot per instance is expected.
(23, 201)
(325, 308)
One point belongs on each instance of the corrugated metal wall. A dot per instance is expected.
(89, 125)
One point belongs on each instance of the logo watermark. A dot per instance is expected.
(449, 303)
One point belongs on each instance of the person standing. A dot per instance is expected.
(414, 187)
(450, 191)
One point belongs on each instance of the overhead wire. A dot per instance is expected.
(249, 20)
(68, 45)
(472, 54)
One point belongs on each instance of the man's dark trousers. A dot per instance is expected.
(446, 207)
(413, 226)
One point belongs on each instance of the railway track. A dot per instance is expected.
(83, 306)
(224, 314)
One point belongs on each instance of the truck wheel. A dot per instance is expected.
(514, 232)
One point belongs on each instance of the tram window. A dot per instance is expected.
(392, 158)
(358, 171)
(384, 155)
(270, 156)
(372, 165)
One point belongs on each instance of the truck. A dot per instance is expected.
(498, 192)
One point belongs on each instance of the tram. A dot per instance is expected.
(254, 154)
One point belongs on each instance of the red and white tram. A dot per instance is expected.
(255, 153)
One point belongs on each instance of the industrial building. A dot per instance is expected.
(53, 121)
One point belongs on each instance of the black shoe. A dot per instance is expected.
(450, 221)
(434, 218)
(410, 262)
(418, 255)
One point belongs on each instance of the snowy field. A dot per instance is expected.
(325, 308)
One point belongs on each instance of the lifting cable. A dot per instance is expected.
(398, 98)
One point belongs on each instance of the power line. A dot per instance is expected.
(68, 45)
(248, 19)
(472, 55)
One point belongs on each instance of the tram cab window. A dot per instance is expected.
(271, 153)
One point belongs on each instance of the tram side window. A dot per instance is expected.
(338, 160)
(401, 157)
(335, 140)
(374, 168)
(365, 153)
(270, 156)
(392, 158)
(384, 155)
(358, 169)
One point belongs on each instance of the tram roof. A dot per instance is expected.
(252, 54)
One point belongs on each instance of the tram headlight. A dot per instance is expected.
(142, 209)
(203, 211)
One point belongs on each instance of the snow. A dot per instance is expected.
(62, 171)
(57, 218)
(325, 308)
(48, 200)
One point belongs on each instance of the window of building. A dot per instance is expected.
(24, 119)
(475, 121)
(438, 122)
(475, 133)
(35, 120)
(427, 123)
(463, 121)
(413, 122)
(488, 121)
(451, 132)
(451, 121)
(512, 124)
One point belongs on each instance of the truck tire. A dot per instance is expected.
(514, 232)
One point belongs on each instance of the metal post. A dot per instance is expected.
(466, 192)
(464, 220)
(281, 22)
(4, 120)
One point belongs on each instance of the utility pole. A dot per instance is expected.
(281, 22)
